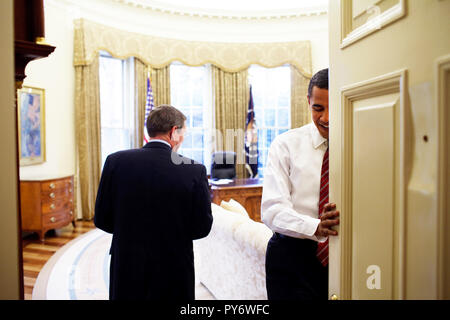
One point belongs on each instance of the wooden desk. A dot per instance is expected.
(247, 192)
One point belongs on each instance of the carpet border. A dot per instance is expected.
(40, 286)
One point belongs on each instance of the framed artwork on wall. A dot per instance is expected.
(31, 125)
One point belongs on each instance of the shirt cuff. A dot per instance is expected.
(312, 228)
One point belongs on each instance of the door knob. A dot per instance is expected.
(52, 219)
(52, 185)
(52, 206)
(334, 297)
(52, 195)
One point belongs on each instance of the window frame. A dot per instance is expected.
(127, 103)
(207, 110)
(264, 146)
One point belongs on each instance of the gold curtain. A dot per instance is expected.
(87, 120)
(90, 37)
(140, 94)
(300, 113)
(160, 81)
(231, 94)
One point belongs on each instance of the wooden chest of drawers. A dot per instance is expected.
(46, 204)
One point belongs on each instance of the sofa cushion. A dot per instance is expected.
(234, 206)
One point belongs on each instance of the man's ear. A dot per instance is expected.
(174, 135)
(171, 132)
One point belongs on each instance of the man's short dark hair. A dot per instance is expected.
(163, 118)
(320, 80)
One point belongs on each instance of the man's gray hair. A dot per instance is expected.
(163, 118)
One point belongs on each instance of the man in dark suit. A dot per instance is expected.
(154, 202)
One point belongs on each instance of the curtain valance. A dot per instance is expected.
(156, 52)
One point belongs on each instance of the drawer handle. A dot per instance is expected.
(52, 195)
(71, 213)
(52, 219)
(52, 206)
(52, 185)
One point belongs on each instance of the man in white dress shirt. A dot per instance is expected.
(295, 205)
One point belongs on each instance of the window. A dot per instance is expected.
(190, 90)
(116, 101)
(271, 89)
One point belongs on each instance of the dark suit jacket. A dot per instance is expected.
(154, 206)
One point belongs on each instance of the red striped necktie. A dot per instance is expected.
(322, 247)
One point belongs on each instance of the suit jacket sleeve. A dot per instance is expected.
(201, 216)
(103, 218)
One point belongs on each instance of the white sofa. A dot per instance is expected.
(230, 261)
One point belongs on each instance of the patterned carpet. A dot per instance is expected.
(80, 271)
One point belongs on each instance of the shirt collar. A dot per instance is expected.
(159, 140)
(317, 138)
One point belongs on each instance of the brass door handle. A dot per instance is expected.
(334, 297)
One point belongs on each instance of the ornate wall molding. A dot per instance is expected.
(157, 52)
(213, 14)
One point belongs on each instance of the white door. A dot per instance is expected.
(389, 148)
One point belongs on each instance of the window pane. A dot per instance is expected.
(113, 140)
(261, 140)
(283, 118)
(187, 113)
(282, 130)
(257, 98)
(187, 142)
(111, 92)
(186, 152)
(192, 83)
(269, 117)
(184, 100)
(271, 88)
(197, 117)
(198, 140)
(197, 155)
(270, 134)
(115, 111)
(198, 93)
(271, 100)
(283, 100)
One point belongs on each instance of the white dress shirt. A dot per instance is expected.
(290, 199)
(159, 140)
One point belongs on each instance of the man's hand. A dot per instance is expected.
(328, 219)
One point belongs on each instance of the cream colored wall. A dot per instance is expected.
(55, 74)
(9, 239)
